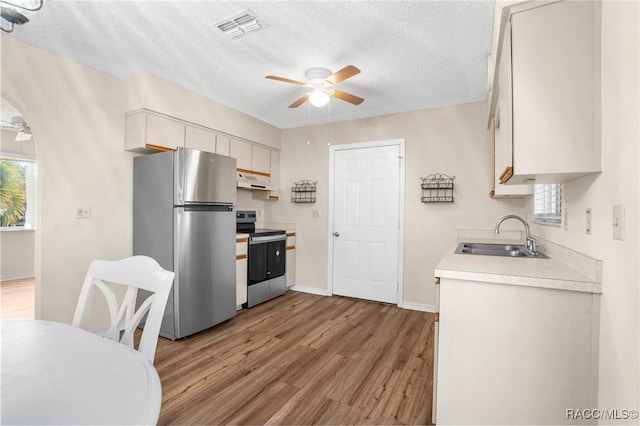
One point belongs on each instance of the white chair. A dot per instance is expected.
(137, 272)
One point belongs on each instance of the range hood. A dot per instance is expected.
(254, 181)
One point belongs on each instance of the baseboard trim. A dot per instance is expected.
(418, 307)
(311, 290)
(406, 305)
(17, 276)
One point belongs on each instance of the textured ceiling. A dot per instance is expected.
(413, 54)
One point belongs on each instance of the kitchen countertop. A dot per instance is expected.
(541, 273)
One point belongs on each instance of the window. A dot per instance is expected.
(17, 193)
(548, 203)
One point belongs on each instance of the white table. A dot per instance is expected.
(54, 373)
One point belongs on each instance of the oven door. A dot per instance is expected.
(266, 258)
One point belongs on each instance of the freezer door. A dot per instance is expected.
(204, 177)
(205, 261)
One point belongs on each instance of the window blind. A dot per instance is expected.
(548, 203)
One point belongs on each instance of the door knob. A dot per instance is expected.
(336, 234)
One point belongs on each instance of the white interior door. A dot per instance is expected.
(366, 222)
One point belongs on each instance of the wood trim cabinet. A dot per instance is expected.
(499, 150)
(261, 160)
(200, 138)
(290, 261)
(242, 247)
(509, 354)
(148, 131)
(145, 131)
(223, 145)
(546, 103)
(241, 151)
(274, 178)
(251, 158)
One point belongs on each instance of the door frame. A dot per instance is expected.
(401, 188)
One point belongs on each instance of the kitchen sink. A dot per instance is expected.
(508, 250)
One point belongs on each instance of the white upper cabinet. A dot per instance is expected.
(275, 168)
(148, 131)
(222, 145)
(241, 151)
(554, 67)
(251, 157)
(199, 138)
(501, 131)
(261, 160)
(145, 131)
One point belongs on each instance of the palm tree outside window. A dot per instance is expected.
(17, 193)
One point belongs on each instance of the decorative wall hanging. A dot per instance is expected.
(303, 191)
(437, 188)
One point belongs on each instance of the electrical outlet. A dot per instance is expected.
(83, 212)
(618, 222)
(315, 213)
(587, 224)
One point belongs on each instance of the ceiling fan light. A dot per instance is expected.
(23, 136)
(319, 98)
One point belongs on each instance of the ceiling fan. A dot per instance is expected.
(321, 81)
(18, 125)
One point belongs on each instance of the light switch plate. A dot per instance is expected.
(587, 224)
(83, 212)
(618, 222)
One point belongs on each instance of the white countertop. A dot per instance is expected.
(542, 273)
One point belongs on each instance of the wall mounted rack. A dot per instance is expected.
(304, 191)
(437, 188)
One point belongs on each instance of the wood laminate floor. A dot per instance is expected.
(17, 299)
(302, 359)
(296, 360)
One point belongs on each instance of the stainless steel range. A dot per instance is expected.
(265, 260)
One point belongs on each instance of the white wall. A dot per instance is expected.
(619, 183)
(76, 114)
(452, 140)
(17, 254)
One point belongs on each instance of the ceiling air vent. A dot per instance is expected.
(241, 24)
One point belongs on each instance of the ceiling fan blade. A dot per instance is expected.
(345, 73)
(286, 80)
(347, 97)
(299, 101)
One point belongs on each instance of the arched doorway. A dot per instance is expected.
(18, 229)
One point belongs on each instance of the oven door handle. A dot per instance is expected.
(267, 239)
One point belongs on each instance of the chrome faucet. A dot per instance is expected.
(532, 243)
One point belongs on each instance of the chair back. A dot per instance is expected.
(136, 272)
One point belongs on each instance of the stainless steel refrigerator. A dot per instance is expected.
(183, 216)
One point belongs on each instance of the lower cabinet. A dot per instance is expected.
(508, 354)
(291, 259)
(241, 270)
